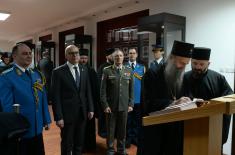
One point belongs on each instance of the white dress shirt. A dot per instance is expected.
(159, 60)
(72, 70)
(130, 63)
(21, 68)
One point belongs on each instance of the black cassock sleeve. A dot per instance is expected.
(155, 95)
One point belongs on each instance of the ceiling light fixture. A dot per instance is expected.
(4, 15)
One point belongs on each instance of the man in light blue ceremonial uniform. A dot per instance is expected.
(26, 87)
(134, 117)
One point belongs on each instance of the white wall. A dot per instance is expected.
(6, 46)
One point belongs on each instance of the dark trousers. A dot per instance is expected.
(116, 122)
(72, 136)
(133, 125)
(90, 140)
(32, 146)
(102, 125)
(9, 146)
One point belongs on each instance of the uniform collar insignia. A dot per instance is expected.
(113, 66)
(18, 71)
(31, 70)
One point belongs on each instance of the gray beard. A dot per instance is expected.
(174, 78)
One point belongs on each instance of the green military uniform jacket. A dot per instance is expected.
(117, 88)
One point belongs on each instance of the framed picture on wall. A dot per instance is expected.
(125, 51)
(125, 36)
(117, 33)
(145, 52)
(109, 36)
(134, 35)
(146, 36)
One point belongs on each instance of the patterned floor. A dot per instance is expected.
(52, 142)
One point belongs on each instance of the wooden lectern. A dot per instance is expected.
(202, 125)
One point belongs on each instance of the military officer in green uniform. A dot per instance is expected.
(117, 101)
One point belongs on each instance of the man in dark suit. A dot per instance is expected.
(158, 52)
(117, 100)
(72, 101)
(45, 65)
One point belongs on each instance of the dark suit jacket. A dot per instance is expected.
(45, 65)
(67, 98)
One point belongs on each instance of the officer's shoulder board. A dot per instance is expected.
(7, 71)
(108, 67)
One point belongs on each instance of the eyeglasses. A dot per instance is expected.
(26, 53)
(73, 53)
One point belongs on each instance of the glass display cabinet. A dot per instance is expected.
(161, 29)
(45, 46)
(123, 39)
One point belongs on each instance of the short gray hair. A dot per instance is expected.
(71, 48)
(16, 47)
(116, 51)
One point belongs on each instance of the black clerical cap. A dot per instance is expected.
(109, 51)
(83, 51)
(182, 49)
(201, 53)
(157, 48)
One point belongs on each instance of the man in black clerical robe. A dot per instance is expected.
(90, 133)
(206, 84)
(101, 119)
(160, 89)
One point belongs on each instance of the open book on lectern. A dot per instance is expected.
(177, 107)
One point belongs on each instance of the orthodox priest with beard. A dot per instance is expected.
(162, 88)
(206, 84)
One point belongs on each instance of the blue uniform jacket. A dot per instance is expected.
(138, 73)
(17, 87)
